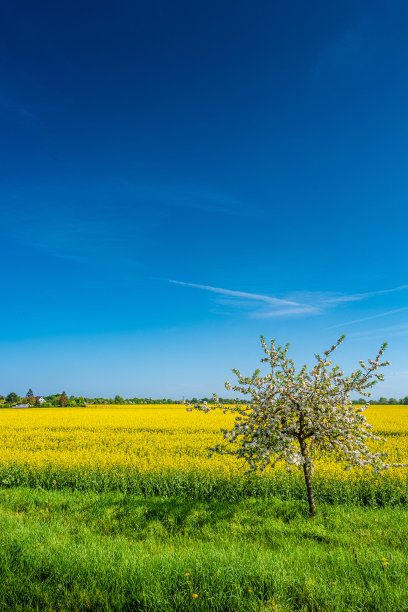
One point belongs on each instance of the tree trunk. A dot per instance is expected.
(308, 478)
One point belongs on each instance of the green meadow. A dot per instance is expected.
(83, 550)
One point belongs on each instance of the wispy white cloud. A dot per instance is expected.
(193, 197)
(15, 107)
(271, 306)
(263, 313)
(362, 296)
(240, 294)
(298, 303)
(91, 216)
(376, 316)
(350, 50)
(390, 330)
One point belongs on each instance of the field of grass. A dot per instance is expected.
(119, 508)
(70, 550)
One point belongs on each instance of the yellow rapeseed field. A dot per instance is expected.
(149, 438)
(152, 438)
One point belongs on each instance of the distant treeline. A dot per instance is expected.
(62, 399)
(382, 401)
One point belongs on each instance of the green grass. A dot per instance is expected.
(83, 550)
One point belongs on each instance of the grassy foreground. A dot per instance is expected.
(82, 550)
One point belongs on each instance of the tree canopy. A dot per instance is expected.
(295, 417)
(63, 399)
(12, 398)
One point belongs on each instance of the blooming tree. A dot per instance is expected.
(293, 417)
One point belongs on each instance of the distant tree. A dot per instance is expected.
(30, 393)
(392, 401)
(118, 399)
(63, 399)
(296, 416)
(28, 400)
(404, 401)
(12, 398)
(383, 401)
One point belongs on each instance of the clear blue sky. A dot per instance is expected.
(255, 153)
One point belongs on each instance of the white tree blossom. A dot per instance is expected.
(295, 417)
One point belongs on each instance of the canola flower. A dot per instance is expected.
(150, 438)
(157, 439)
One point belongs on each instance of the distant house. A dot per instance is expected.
(21, 405)
(40, 400)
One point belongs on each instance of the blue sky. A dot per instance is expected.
(179, 178)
